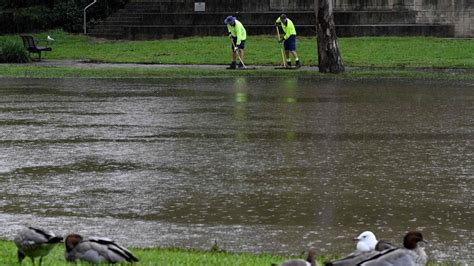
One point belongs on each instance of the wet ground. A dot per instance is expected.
(260, 165)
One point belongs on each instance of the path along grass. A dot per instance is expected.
(167, 257)
(393, 52)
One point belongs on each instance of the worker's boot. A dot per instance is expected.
(288, 63)
(241, 66)
(233, 65)
(298, 64)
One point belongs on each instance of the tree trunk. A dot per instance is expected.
(329, 57)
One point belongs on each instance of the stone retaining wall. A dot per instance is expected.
(459, 13)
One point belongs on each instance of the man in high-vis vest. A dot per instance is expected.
(238, 35)
(289, 39)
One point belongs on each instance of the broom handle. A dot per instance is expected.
(281, 48)
(238, 54)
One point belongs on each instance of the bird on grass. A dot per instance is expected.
(310, 260)
(34, 242)
(367, 241)
(96, 250)
(410, 255)
(49, 40)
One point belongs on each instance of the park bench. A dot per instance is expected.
(30, 46)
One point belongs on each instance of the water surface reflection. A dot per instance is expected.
(261, 165)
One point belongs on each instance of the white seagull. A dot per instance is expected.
(367, 241)
(410, 255)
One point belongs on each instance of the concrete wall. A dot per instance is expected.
(364, 5)
(455, 12)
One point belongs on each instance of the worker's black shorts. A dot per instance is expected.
(241, 45)
(290, 43)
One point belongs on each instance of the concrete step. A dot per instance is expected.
(375, 17)
(106, 31)
(395, 30)
(257, 18)
(157, 7)
(212, 6)
(252, 18)
(177, 31)
(105, 35)
(145, 20)
(129, 19)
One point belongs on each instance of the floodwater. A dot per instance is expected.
(257, 164)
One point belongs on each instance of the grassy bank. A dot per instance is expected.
(155, 256)
(168, 257)
(387, 52)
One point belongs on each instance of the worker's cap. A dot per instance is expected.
(229, 20)
(283, 17)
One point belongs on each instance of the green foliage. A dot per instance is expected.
(25, 3)
(12, 52)
(31, 18)
(67, 15)
(34, 15)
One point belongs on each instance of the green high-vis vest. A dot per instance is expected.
(238, 31)
(289, 28)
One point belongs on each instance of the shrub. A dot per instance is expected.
(34, 15)
(67, 15)
(32, 18)
(12, 52)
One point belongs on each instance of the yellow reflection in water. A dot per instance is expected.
(240, 107)
(289, 86)
(289, 90)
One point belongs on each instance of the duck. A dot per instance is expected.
(410, 255)
(96, 250)
(353, 259)
(310, 260)
(35, 242)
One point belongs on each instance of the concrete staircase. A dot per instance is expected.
(173, 19)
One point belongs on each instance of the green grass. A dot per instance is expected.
(168, 257)
(398, 52)
(155, 256)
(368, 57)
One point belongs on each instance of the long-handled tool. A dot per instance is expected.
(282, 49)
(237, 51)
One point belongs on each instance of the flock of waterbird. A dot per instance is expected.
(34, 242)
(371, 252)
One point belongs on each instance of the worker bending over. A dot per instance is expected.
(238, 35)
(289, 39)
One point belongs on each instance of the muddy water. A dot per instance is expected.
(260, 165)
